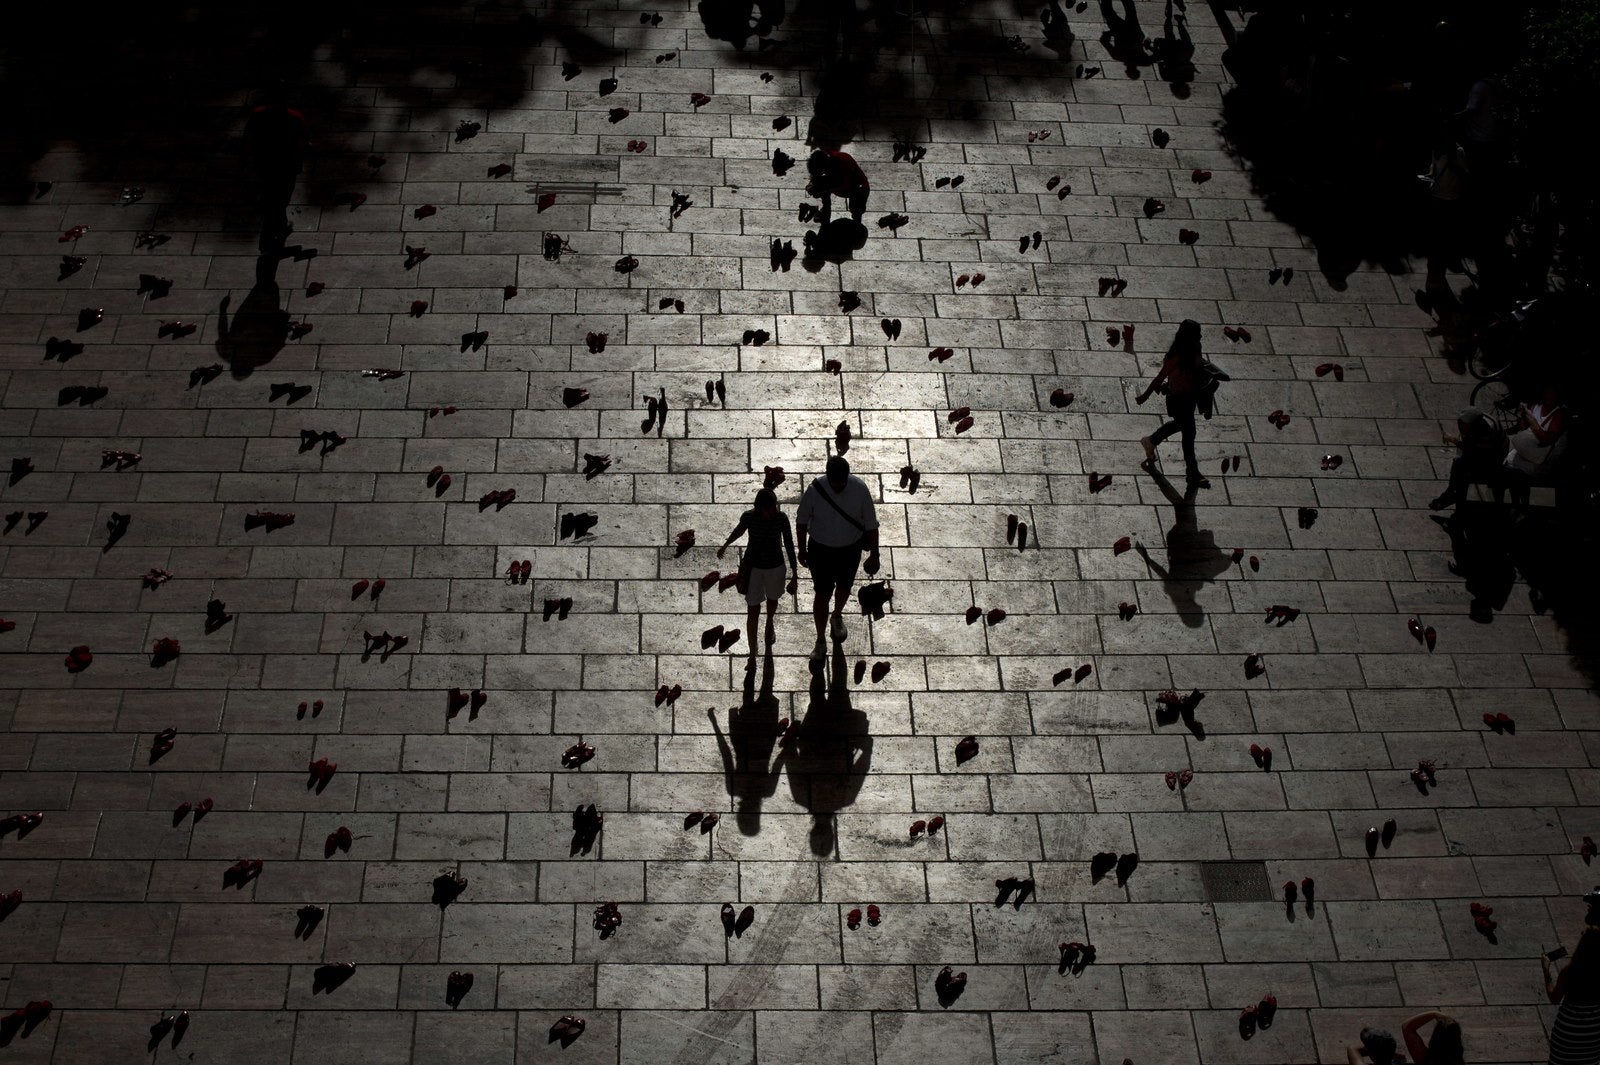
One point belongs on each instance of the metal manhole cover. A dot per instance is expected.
(1235, 882)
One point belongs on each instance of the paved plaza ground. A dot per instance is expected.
(125, 914)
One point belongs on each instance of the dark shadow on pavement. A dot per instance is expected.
(1193, 558)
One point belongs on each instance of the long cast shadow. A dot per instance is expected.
(1193, 558)
(831, 754)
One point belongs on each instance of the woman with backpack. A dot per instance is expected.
(1187, 380)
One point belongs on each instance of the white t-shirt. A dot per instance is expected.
(824, 524)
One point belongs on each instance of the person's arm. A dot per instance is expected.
(1546, 429)
(1353, 1056)
(738, 531)
(801, 513)
(1555, 989)
(1415, 1047)
(1157, 382)
(788, 542)
(869, 519)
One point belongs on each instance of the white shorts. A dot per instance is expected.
(766, 585)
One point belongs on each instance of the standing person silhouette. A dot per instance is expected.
(761, 572)
(837, 516)
(275, 138)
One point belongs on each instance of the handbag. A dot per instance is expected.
(742, 581)
(1205, 399)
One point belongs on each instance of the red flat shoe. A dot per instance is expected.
(852, 920)
(874, 915)
(1290, 891)
(1372, 839)
(1255, 564)
(1588, 850)
(1061, 398)
(879, 671)
(1308, 888)
(709, 638)
(1253, 667)
(455, 702)
(747, 917)
(1082, 672)
(708, 822)
(861, 669)
(1185, 778)
(1267, 1009)
(918, 827)
(1247, 1022)
(203, 807)
(1200, 177)
(966, 749)
(1060, 676)
(1430, 636)
(1172, 780)
(995, 616)
(728, 639)
(937, 822)
(974, 613)
(1122, 545)
(9, 904)
(692, 819)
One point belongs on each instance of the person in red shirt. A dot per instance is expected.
(838, 174)
(275, 137)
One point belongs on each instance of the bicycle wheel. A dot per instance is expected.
(1493, 396)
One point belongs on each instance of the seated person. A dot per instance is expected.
(1377, 1046)
(1482, 449)
(838, 174)
(1537, 444)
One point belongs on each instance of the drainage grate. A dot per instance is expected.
(1235, 881)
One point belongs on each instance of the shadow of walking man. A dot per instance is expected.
(259, 328)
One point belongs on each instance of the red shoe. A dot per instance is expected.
(1061, 398)
(1308, 888)
(1126, 611)
(1255, 564)
(1253, 667)
(1011, 528)
(1185, 778)
(1172, 780)
(1587, 851)
(937, 822)
(1247, 1022)
(203, 807)
(958, 414)
(1373, 837)
(728, 639)
(879, 671)
(1414, 627)
(1081, 672)
(853, 920)
(861, 669)
(1430, 636)
(455, 702)
(966, 749)
(709, 821)
(1122, 544)
(1200, 177)
(79, 659)
(1484, 924)
(874, 915)
(995, 616)
(917, 828)
(1061, 675)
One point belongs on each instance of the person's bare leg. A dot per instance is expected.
(772, 613)
(752, 615)
(819, 612)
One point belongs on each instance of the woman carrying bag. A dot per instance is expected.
(761, 572)
(1188, 381)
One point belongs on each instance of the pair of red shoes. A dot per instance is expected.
(1062, 398)
(1016, 532)
(242, 872)
(638, 147)
(1176, 780)
(1481, 919)
(338, 840)
(1238, 556)
(163, 741)
(722, 639)
(1077, 956)
(316, 710)
(559, 607)
(434, 412)
(418, 308)
(1126, 611)
(1236, 333)
(1308, 888)
(966, 749)
(607, 918)
(993, 617)
(1278, 418)
(1262, 756)
(199, 809)
(1282, 614)
(941, 354)
(1326, 368)
(1258, 1016)
(1253, 667)
(567, 1029)
(852, 919)
(1115, 336)
(879, 670)
(1188, 237)
(930, 826)
(577, 755)
(949, 984)
(376, 587)
(910, 478)
(735, 925)
(1422, 634)
(320, 773)
(499, 500)
(706, 821)
(1078, 675)
(668, 695)
(459, 700)
(1500, 722)
(975, 279)
(519, 571)
(1098, 483)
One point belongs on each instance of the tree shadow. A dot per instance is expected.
(1193, 558)
(149, 93)
(831, 752)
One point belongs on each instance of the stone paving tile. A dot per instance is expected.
(125, 913)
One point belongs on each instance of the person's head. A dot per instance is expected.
(1444, 1046)
(1186, 344)
(838, 472)
(818, 165)
(766, 502)
(1379, 1045)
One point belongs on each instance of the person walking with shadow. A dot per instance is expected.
(838, 174)
(1185, 379)
(761, 572)
(836, 521)
(275, 138)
